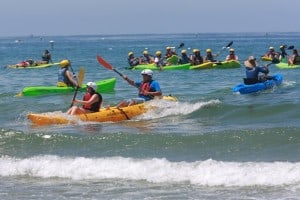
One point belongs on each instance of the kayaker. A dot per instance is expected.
(91, 102)
(46, 57)
(210, 57)
(231, 55)
(282, 54)
(146, 58)
(65, 77)
(148, 89)
(295, 58)
(169, 52)
(272, 54)
(196, 58)
(253, 71)
(159, 61)
(184, 58)
(132, 61)
(27, 63)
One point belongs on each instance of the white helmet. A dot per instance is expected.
(148, 72)
(92, 85)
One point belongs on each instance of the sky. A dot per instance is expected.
(93, 17)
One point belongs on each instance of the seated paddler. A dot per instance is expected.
(254, 72)
(91, 102)
(65, 77)
(148, 89)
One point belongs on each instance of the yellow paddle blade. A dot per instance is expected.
(80, 76)
(19, 94)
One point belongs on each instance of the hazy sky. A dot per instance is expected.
(75, 17)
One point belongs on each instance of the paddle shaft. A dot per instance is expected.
(227, 46)
(79, 83)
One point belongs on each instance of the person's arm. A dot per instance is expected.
(70, 77)
(131, 82)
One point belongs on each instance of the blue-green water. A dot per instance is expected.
(212, 144)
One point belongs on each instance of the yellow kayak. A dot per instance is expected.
(265, 58)
(207, 65)
(112, 114)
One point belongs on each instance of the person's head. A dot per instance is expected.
(130, 54)
(64, 63)
(251, 62)
(168, 48)
(295, 52)
(208, 51)
(92, 86)
(46, 51)
(158, 53)
(271, 49)
(183, 51)
(145, 52)
(231, 51)
(282, 47)
(196, 51)
(147, 74)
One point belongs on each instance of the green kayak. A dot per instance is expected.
(227, 64)
(106, 85)
(283, 65)
(39, 66)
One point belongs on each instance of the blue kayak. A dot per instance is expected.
(246, 89)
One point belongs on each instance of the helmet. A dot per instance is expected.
(196, 50)
(271, 48)
(158, 53)
(183, 51)
(168, 48)
(148, 72)
(231, 49)
(130, 53)
(92, 85)
(208, 50)
(64, 63)
(145, 52)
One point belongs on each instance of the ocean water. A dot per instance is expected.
(211, 144)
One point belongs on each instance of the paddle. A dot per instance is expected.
(223, 48)
(107, 65)
(180, 46)
(79, 83)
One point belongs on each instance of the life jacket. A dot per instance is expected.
(146, 59)
(296, 60)
(197, 59)
(210, 57)
(184, 59)
(159, 61)
(231, 57)
(46, 57)
(63, 78)
(145, 87)
(95, 106)
(132, 61)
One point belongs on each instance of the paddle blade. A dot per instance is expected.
(80, 76)
(107, 65)
(291, 47)
(104, 63)
(181, 45)
(229, 44)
